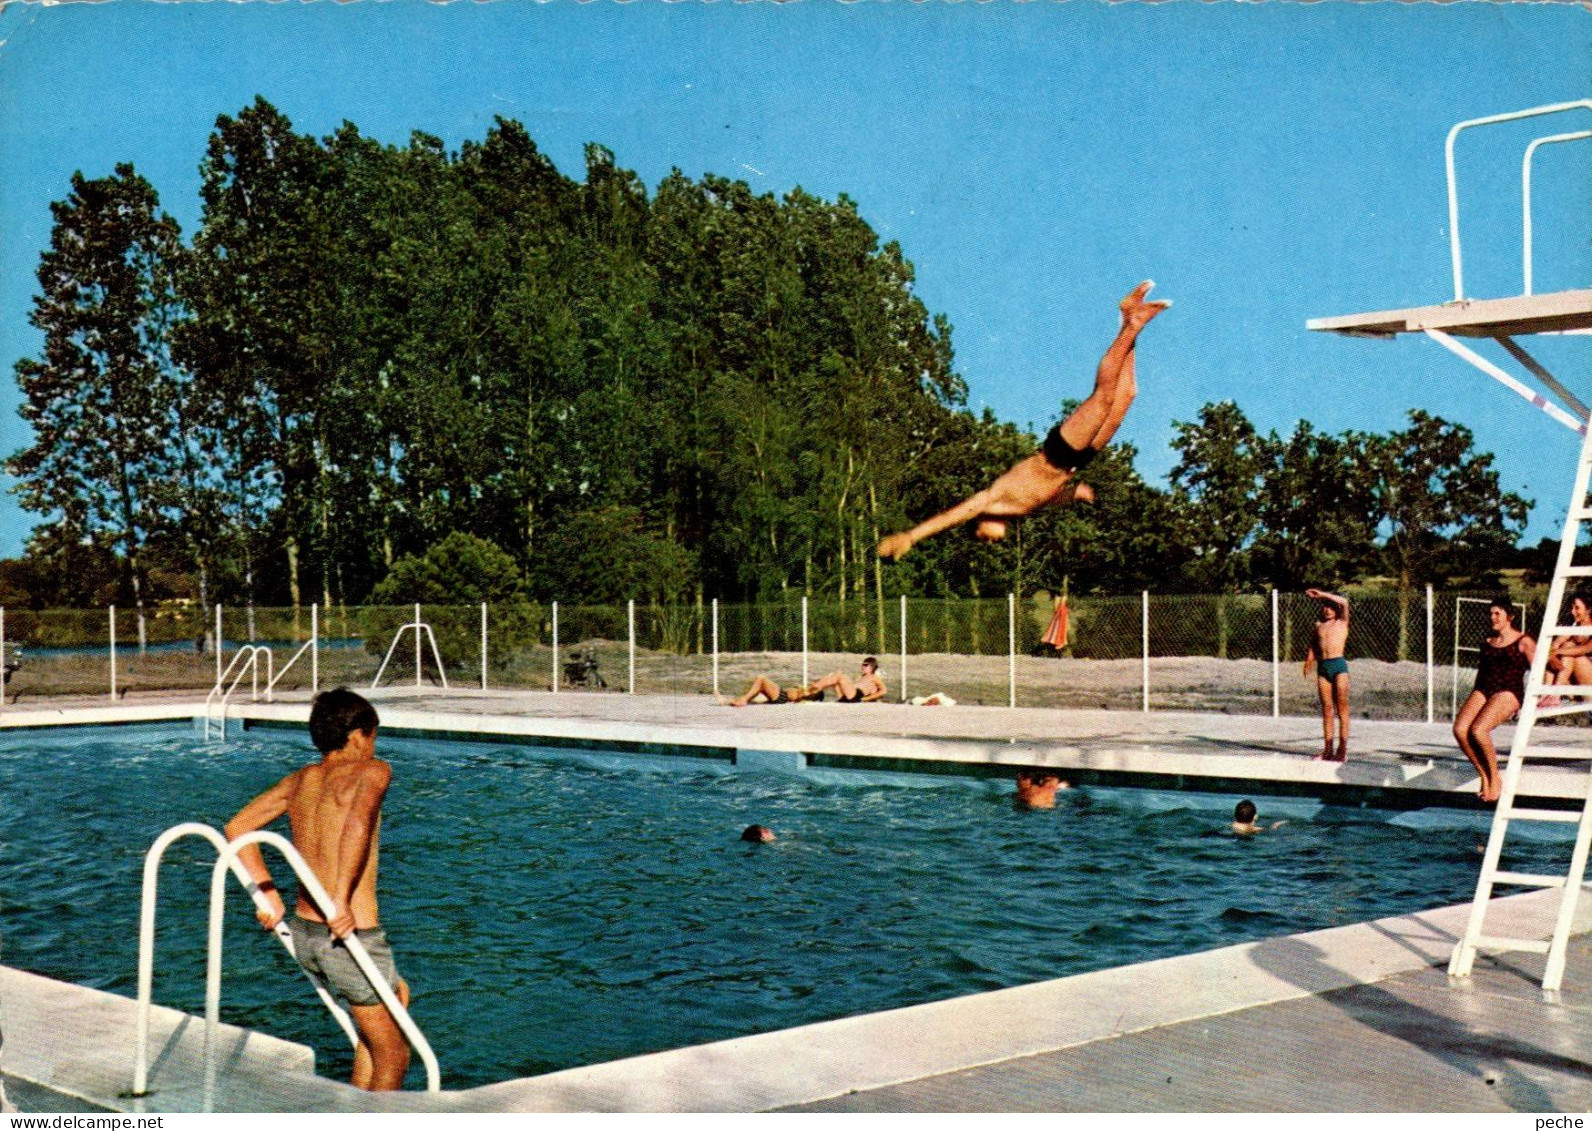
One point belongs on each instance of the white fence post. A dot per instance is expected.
(1431, 661)
(555, 647)
(1276, 662)
(417, 645)
(804, 640)
(903, 647)
(715, 646)
(1145, 676)
(483, 645)
(315, 649)
(218, 643)
(113, 653)
(1011, 649)
(632, 615)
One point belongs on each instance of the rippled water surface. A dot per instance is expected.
(553, 909)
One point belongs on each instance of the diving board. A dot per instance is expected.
(1561, 312)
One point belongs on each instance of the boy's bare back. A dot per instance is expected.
(323, 798)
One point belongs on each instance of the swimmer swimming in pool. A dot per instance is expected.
(1332, 671)
(334, 808)
(1048, 476)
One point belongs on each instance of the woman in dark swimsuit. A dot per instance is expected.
(1500, 689)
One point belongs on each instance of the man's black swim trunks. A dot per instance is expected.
(1062, 455)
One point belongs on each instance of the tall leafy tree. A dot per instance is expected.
(100, 400)
(1215, 486)
(1316, 511)
(1440, 502)
(264, 316)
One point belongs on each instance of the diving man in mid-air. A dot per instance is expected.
(1047, 476)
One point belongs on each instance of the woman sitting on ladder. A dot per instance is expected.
(1500, 689)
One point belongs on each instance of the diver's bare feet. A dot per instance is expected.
(1135, 297)
(894, 546)
(1137, 310)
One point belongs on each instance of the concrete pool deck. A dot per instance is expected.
(1346, 1019)
(1393, 764)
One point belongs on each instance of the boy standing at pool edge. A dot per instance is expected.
(1332, 671)
(334, 808)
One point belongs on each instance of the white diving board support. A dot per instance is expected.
(1536, 399)
(1523, 749)
(1537, 370)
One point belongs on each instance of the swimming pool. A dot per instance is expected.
(554, 908)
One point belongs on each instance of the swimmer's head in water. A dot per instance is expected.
(989, 530)
(1244, 813)
(757, 834)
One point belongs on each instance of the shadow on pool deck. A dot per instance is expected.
(1413, 1042)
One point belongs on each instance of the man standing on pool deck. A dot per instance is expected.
(334, 807)
(1047, 476)
(1332, 671)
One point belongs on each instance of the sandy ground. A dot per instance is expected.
(1379, 690)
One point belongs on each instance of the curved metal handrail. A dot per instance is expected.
(249, 654)
(146, 941)
(1453, 186)
(323, 902)
(1525, 195)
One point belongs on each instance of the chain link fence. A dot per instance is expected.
(1411, 654)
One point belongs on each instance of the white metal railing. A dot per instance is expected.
(146, 941)
(1525, 194)
(1453, 185)
(312, 646)
(311, 885)
(246, 659)
(419, 627)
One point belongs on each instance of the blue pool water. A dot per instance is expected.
(553, 908)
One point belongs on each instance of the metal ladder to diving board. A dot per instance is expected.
(1523, 750)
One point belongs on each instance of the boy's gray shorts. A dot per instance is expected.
(327, 961)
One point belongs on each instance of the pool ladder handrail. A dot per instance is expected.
(146, 939)
(249, 658)
(419, 626)
(227, 860)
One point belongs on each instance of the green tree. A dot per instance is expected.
(100, 400)
(1215, 488)
(264, 315)
(460, 569)
(1441, 504)
(1316, 510)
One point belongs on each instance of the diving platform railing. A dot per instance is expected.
(247, 662)
(1453, 179)
(227, 859)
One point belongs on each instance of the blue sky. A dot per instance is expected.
(1265, 163)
